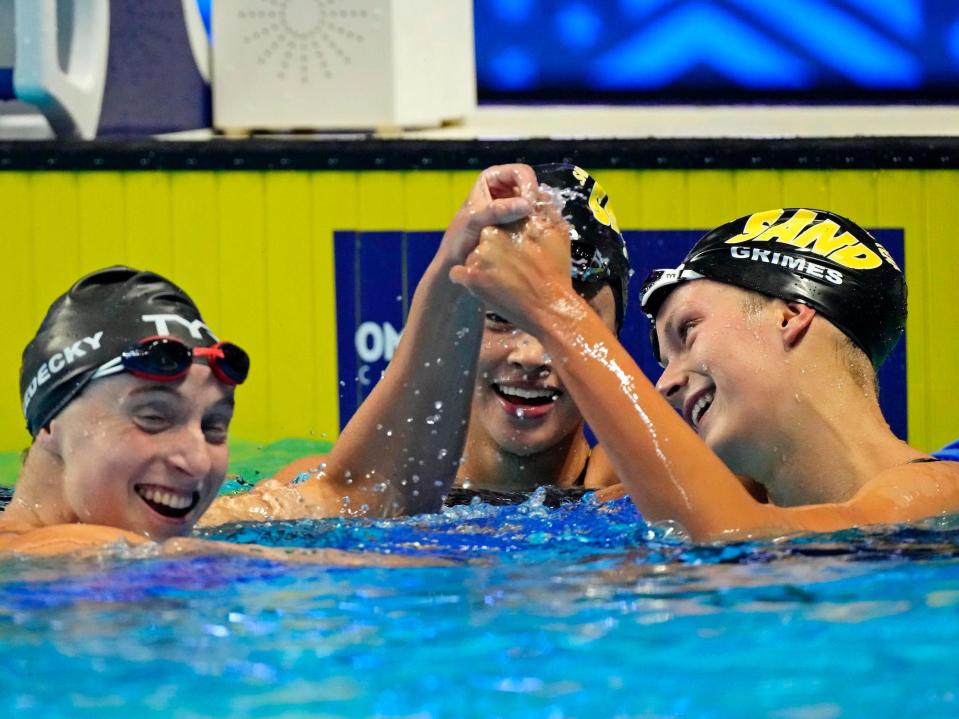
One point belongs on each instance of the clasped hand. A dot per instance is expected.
(516, 264)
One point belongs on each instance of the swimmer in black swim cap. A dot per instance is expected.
(524, 429)
(128, 396)
(811, 256)
(769, 334)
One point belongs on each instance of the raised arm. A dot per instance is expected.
(400, 451)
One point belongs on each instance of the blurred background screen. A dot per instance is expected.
(715, 51)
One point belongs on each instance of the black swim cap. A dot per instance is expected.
(598, 248)
(811, 256)
(102, 315)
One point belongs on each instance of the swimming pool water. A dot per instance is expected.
(578, 611)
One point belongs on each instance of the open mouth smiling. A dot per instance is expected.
(698, 406)
(526, 396)
(167, 502)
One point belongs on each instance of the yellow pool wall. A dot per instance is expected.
(255, 250)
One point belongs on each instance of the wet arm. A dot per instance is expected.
(671, 474)
(91, 539)
(666, 468)
(400, 451)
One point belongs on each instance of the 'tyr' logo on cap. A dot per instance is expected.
(192, 326)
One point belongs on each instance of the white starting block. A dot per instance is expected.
(341, 64)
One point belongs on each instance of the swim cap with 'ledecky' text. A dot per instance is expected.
(103, 315)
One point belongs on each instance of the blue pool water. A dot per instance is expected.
(580, 611)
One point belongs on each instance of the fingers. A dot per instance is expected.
(515, 180)
(502, 194)
(500, 212)
(460, 275)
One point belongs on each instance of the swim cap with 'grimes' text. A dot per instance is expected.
(597, 246)
(103, 315)
(815, 257)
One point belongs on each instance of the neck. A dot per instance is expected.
(38, 497)
(487, 465)
(844, 442)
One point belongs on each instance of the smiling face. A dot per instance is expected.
(520, 403)
(725, 369)
(148, 457)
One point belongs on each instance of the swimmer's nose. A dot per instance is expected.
(670, 384)
(191, 453)
(528, 354)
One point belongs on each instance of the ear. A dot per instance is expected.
(48, 438)
(795, 320)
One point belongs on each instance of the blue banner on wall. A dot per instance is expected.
(711, 50)
(377, 273)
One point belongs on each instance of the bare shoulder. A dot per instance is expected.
(911, 491)
(60, 538)
(599, 472)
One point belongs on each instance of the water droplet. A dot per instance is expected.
(438, 405)
(442, 454)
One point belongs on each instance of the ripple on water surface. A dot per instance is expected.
(575, 611)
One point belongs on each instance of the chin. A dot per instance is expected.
(522, 448)
(739, 457)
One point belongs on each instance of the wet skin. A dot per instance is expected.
(148, 457)
(725, 372)
(513, 361)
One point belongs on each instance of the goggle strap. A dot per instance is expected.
(109, 368)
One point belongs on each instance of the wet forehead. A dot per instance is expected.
(699, 297)
(199, 387)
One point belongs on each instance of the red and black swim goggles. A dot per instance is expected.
(167, 359)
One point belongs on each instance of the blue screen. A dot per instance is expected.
(703, 50)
